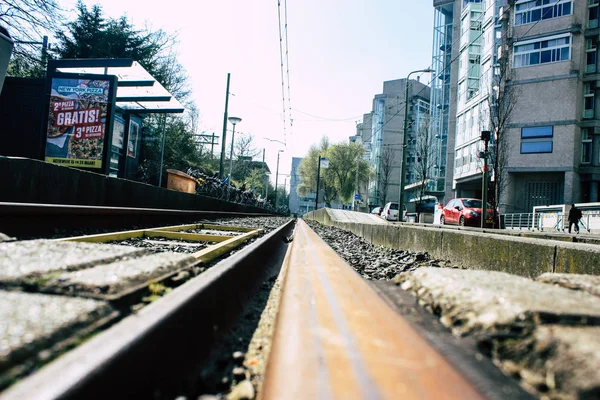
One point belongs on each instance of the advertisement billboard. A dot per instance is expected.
(78, 124)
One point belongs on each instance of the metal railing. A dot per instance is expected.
(550, 221)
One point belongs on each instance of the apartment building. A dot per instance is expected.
(382, 133)
(552, 151)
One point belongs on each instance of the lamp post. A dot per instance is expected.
(318, 175)
(404, 138)
(277, 175)
(234, 121)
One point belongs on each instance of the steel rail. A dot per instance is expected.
(343, 341)
(32, 219)
(164, 340)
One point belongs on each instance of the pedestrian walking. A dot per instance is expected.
(574, 217)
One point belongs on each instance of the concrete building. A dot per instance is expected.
(551, 143)
(299, 205)
(382, 133)
(443, 95)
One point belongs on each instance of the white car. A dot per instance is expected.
(390, 211)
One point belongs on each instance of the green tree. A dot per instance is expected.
(91, 35)
(258, 178)
(181, 150)
(308, 173)
(345, 162)
(339, 179)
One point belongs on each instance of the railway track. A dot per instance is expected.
(335, 336)
(29, 220)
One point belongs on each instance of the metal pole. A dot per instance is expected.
(404, 146)
(263, 170)
(318, 173)
(162, 150)
(276, 176)
(484, 186)
(224, 136)
(356, 186)
(284, 186)
(212, 144)
(44, 51)
(231, 155)
(402, 195)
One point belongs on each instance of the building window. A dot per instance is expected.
(586, 146)
(535, 140)
(530, 11)
(590, 53)
(542, 51)
(589, 100)
(593, 13)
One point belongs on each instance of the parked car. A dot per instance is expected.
(425, 204)
(464, 211)
(390, 212)
(376, 210)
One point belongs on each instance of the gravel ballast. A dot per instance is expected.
(374, 262)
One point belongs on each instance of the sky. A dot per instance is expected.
(340, 52)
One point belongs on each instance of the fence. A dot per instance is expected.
(551, 221)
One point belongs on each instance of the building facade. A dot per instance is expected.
(298, 204)
(382, 133)
(550, 143)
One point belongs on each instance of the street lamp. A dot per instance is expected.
(404, 141)
(234, 121)
(277, 175)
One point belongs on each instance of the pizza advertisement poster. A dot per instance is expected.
(77, 121)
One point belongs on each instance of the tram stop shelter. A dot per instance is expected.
(95, 113)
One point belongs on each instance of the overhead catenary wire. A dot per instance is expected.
(287, 64)
(281, 67)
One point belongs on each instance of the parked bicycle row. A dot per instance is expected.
(226, 190)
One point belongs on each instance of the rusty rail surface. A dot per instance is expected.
(343, 341)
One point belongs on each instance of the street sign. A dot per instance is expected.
(357, 196)
(324, 162)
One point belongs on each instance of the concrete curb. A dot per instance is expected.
(522, 256)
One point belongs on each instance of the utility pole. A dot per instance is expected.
(485, 136)
(224, 136)
(212, 144)
(162, 150)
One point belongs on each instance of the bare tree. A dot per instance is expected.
(24, 19)
(386, 164)
(425, 158)
(27, 21)
(244, 151)
(501, 102)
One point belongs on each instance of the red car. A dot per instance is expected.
(465, 211)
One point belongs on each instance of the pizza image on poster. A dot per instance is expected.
(77, 122)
